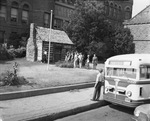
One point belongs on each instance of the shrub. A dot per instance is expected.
(17, 53)
(64, 64)
(11, 78)
(20, 52)
(8, 78)
(9, 54)
(14, 39)
(4, 54)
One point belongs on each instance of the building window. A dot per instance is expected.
(120, 13)
(111, 12)
(25, 14)
(58, 23)
(3, 12)
(127, 13)
(14, 12)
(115, 11)
(25, 17)
(107, 8)
(46, 19)
(2, 36)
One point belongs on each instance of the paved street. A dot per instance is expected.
(64, 103)
(106, 113)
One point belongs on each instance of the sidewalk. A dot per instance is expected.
(48, 107)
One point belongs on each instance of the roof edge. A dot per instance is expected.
(128, 22)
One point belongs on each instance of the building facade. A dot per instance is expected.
(139, 26)
(16, 16)
(63, 8)
(115, 10)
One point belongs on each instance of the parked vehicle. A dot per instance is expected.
(127, 79)
(142, 113)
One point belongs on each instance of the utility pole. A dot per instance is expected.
(49, 39)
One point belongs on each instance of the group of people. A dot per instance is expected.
(69, 56)
(79, 60)
(76, 58)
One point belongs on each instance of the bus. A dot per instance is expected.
(127, 79)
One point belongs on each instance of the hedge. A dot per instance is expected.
(9, 54)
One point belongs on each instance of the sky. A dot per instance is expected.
(139, 5)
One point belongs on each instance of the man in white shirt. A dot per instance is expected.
(98, 84)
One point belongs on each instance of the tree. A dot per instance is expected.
(18, 40)
(123, 41)
(14, 39)
(92, 33)
(88, 27)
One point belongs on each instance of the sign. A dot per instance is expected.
(125, 63)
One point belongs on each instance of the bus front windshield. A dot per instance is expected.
(122, 72)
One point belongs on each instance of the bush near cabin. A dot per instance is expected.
(10, 54)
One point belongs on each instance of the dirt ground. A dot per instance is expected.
(42, 75)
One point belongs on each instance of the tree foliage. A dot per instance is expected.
(18, 40)
(92, 33)
(123, 41)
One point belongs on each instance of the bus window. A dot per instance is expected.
(110, 71)
(144, 72)
(131, 73)
(122, 72)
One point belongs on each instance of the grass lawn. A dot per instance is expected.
(39, 76)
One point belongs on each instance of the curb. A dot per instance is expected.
(75, 110)
(69, 112)
(35, 92)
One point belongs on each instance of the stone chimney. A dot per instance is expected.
(31, 50)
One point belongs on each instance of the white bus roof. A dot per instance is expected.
(136, 59)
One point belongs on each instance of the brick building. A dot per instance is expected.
(115, 10)
(140, 29)
(16, 15)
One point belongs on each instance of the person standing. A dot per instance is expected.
(94, 61)
(76, 59)
(80, 60)
(66, 57)
(88, 61)
(98, 85)
(45, 56)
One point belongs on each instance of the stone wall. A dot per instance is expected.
(35, 42)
